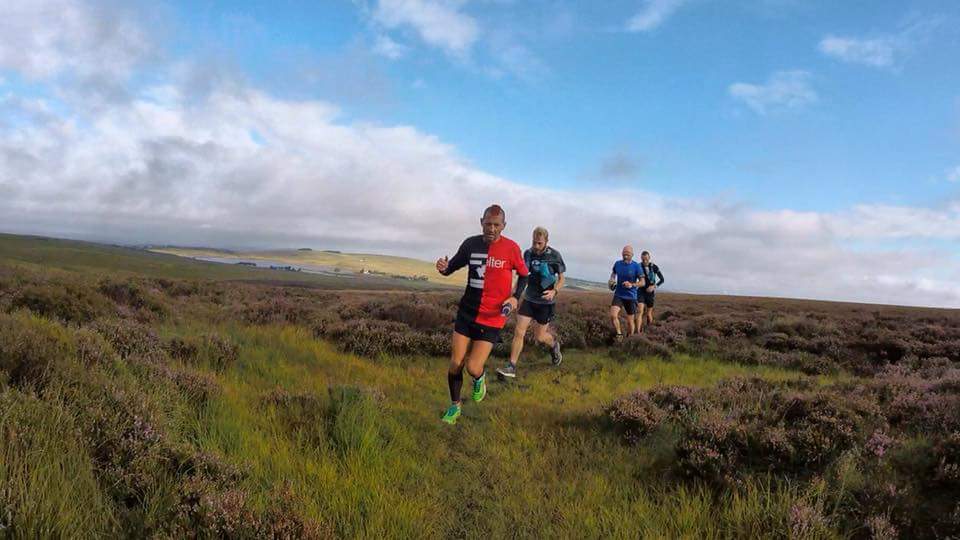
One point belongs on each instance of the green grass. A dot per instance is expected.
(531, 460)
(365, 455)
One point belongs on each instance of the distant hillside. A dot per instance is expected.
(94, 258)
(330, 262)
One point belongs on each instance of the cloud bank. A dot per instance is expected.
(235, 166)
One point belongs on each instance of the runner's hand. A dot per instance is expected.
(442, 264)
(513, 303)
(627, 284)
(549, 295)
(651, 288)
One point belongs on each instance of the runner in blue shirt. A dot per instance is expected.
(625, 280)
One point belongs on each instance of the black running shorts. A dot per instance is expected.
(628, 305)
(542, 313)
(465, 325)
(648, 298)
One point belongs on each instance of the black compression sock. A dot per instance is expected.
(455, 381)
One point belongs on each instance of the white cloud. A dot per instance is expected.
(653, 14)
(783, 90)
(235, 166)
(46, 38)
(872, 52)
(384, 46)
(162, 169)
(953, 175)
(882, 51)
(439, 23)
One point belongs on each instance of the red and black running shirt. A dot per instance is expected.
(490, 278)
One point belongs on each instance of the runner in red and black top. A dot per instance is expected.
(492, 260)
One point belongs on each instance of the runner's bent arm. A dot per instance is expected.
(459, 260)
(561, 270)
(520, 266)
(656, 270)
(521, 285)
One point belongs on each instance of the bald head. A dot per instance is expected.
(627, 253)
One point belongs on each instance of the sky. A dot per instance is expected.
(799, 148)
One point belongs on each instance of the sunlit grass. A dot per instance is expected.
(528, 461)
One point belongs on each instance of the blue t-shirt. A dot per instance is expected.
(626, 272)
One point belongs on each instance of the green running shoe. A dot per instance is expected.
(453, 412)
(480, 388)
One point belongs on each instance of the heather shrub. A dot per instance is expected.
(323, 323)
(745, 426)
(635, 416)
(197, 387)
(802, 326)
(92, 349)
(184, 349)
(180, 287)
(218, 351)
(817, 429)
(582, 326)
(880, 528)
(947, 456)
(207, 510)
(279, 310)
(808, 521)
(736, 328)
(674, 336)
(31, 347)
(70, 302)
(371, 338)
(128, 337)
(639, 346)
(921, 400)
(411, 310)
(119, 424)
(882, 347)
(135, 296)
(712, 447)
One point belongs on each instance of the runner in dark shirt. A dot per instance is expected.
(646, 295)
(492, 260)
(546, 268)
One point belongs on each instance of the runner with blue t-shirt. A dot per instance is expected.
(625, 280)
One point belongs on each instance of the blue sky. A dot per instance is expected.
(595, 91)
(795, 138)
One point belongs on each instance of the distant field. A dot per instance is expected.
(92, 258)
(145, 395)
(348, 262)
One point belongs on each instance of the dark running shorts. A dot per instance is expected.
(628, 305)
(542, 313)
(466, 326)
(648, 298)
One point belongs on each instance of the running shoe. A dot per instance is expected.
(453, 412)
(509, 371)
(555, 353)
(480, 388)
